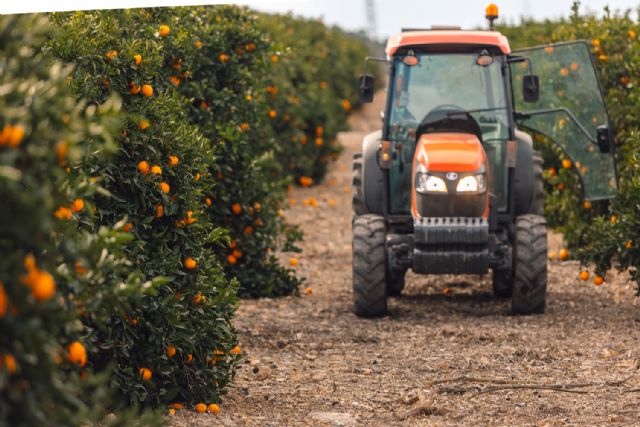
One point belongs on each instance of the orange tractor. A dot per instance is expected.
(451, 184)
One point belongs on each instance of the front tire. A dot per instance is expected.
(358, 205)
(537, 204)
(369, 266)
(530, 275)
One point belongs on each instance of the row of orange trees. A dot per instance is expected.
(144, 156)
(603, 235)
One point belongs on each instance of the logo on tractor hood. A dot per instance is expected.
(452, 176)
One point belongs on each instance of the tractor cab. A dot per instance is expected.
(452, 181)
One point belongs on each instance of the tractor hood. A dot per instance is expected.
(450, 152)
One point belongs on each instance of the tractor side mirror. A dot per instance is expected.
(531, 88)
(604, 139)
(366, 87)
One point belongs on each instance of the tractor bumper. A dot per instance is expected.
(451, 245)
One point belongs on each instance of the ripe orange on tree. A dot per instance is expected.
(189, 263)
(134, 89)
(236, 208)
(231, 259)
(76, 353)
(173, 160)
(143, 167)
(156, 170)
(164, 30)
(77, 205)
(171, 351)
(137, 59)
(566, 163)
(164, 187)
(145, 373)
(147, 90)
(4, 301)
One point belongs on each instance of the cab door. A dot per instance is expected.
(570, 111)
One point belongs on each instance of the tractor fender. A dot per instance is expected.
(372, 177)
(523, 190)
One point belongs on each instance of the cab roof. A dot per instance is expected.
(444, 37)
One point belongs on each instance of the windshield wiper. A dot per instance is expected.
(481, 110)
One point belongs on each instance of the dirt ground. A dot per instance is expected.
(447, 354)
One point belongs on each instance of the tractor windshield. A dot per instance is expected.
(445, 82)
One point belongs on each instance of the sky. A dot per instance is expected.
(391, 15)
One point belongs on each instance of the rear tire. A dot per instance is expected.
(530, 275)
(369, 266)
(359, 207)
(537, 204)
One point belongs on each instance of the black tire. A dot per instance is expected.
(369, 266)
(530, 275)
(395, 282)
(502, 281)
(537, 204)
(359, 207)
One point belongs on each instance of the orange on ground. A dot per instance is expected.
(201, 408)
(156, 170)
(564, 254)
(213, 408)
(598, 280)
(76, 353)
(143, 167)
(77, 205)
(308, 291)
(147, 90)
(172, 411)
(177, 405)
(145, 373)
(552, 255)
(584, 276)
(293, 262)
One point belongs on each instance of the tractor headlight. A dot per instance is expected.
(426, 183)
(472, 184)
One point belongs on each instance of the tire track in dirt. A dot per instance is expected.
(310, 361)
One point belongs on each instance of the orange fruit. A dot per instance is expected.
(293, 262)
(137, 59)
(189, 263)
(250, 47)
(112, 54)
(61, 151)
(172, 411)
(223, 57)
(237, 253)
(319, 141)
(143, 124)
(308, 291)
(156, 170)
(275, 58)
(198, 298)
(204, 105)
(159, 211)
(614, 219)
(171, 351)
(552, 255)
(574, 66)
(561, 186)
(598, 280)
(213, 408)
(595, 42)
(564, 254)
(147, 90)
(164, 30)
(627, 245)
(145, 373)
(177, 405)
(77, 205)
(208, 201)
(198, 44)
(632, 34)
(143, 167)
(165, 187)
(584, 276)
(12, 136)
(248, 230)
(564, 72)
(233, 244)
(10, 364)
(127, 227)
(174, 80)
(63, 213)
(552, 171)
(587, 204)
(42, 284)
(197, 177)
(566, 163)
(189, 358)
(201, 408)
(173, 160)
(231, 259)
(273, 114)
(236, 208)
(76, 353)
(4, 301)
(134, 89)
(245, 126)
(235, 350)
